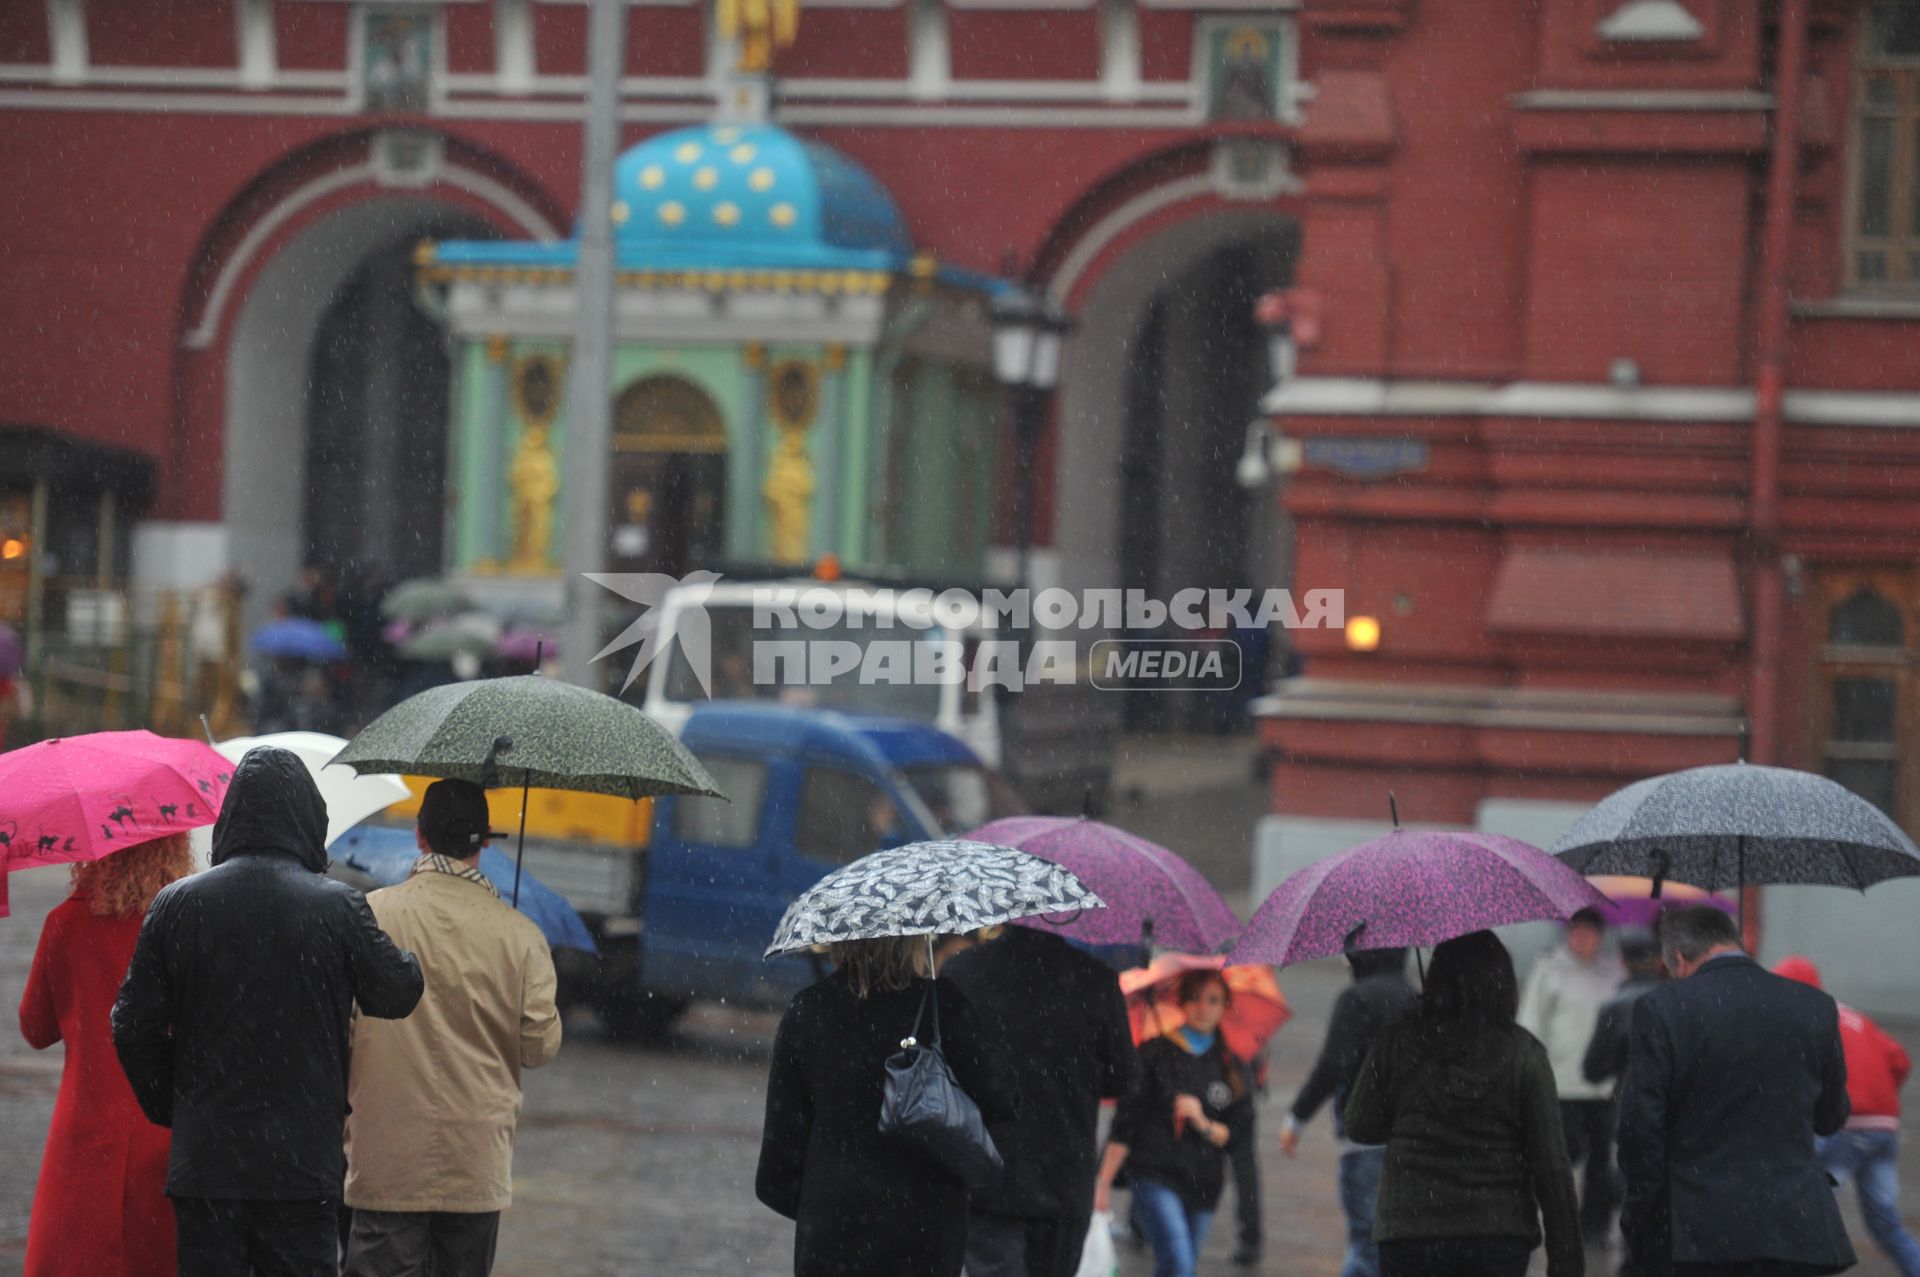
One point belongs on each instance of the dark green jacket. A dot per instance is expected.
(1475, 1148)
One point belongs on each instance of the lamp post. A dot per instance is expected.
(1027, 335)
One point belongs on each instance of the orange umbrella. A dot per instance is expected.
(1256, 1014)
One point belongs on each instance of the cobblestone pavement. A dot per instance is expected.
(635, 1161)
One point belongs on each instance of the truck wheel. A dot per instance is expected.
(635, 1016)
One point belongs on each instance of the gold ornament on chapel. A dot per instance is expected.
(763, 27)
(534, 477)
(793, 400)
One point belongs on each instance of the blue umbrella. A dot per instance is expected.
(298, 638)
(385, 853)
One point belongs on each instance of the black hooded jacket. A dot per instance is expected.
(233, 1021)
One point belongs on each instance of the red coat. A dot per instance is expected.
(1877, 1066)
(100, 1208)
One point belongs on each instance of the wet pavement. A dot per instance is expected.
(640, 1160)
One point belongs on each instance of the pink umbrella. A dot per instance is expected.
(1151, 893)
(1413, 888)
(84, 797)
(528, 646)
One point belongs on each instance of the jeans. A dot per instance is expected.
(1174, 1232)
(1871, 1159)
(1359, 1188)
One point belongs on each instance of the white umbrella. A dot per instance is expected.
(350, 798)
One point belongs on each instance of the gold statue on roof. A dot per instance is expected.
(763, 28)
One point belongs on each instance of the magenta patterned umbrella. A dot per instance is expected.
(1151, 893)
(1413, 887)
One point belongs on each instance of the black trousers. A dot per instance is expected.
(1589, 1129)
(220, 1238)
(1244, 1162)
(1456, 1257)
(1024, 1245)
(417, 1243)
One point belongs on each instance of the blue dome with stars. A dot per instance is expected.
(731, 196)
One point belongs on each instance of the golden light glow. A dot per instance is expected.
(621, 212)
(652, 176)
(726, 214)
(726, 136)
(706, 179)
(744, 153)
(1363, 633)
(12, 548)
(761, 180)
(782, 214)
(673, 213)
(688, 152)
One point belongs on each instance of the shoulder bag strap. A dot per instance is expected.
(913, 1039)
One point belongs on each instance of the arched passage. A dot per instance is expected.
(1162, 376)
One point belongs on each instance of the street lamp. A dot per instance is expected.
(1291, 318)
(1027, 336)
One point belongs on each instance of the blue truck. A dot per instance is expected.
(687, 914)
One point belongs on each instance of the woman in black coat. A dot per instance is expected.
(863, 1203)
(1190, 1103)
(1464, 1100)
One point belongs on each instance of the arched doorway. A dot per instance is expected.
(1161, 378)
(376, 448)
(668, 478)
(331, 457)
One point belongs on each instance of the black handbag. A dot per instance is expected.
(925, 1108)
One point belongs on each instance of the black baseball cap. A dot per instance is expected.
(454, 814)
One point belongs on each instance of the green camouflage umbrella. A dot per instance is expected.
(528, 731)
(423, 599)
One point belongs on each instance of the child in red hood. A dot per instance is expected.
(1868, 1149)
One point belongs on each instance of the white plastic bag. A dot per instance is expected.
(1097, 1256)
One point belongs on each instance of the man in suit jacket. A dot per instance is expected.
(1732, 1072)
(1061, 1017)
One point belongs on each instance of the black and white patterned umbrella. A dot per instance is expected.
(1738, 825)
(947, 887)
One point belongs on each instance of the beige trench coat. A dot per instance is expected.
(435, 1097)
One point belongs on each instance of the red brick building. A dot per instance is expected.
(1556, 340)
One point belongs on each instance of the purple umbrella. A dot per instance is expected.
(1411, 887)
(1150, 892)
(528, 646)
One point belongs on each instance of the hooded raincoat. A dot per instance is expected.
(232, 1023)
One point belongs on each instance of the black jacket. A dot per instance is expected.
(232, 1023)
(1475, 1147)
(1187, 1161)
(1607, 1053)
(864, 1203)
(1378, 996)
(1061, 1016)
(1731, 1074)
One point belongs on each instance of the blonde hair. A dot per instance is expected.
(885, 965)
(126, 882)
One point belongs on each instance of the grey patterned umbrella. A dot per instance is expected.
(423, 599)
(528, 730)
(1738, 825)
(928, 888)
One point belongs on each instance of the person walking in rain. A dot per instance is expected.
(232, 1025)
(866, 1204)
(100, 1207)
(1173, 1129)
(1463, 1099)
(1606, 1058)
(1731, 1074)
(1378, 996)
(1867, 1149)
(1060, 1014)
(1560, 1005)
(435, 1097)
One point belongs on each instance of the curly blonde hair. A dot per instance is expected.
(126, 882)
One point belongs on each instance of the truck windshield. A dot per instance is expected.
(888, 685)
(963, 796)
